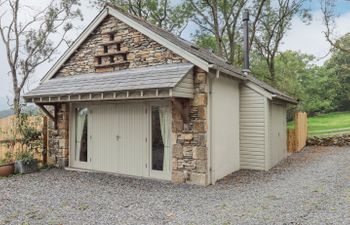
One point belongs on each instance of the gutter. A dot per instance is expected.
(291, 101)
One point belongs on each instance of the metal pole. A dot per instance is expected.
(246, 69)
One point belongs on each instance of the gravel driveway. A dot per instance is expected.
(312, 187)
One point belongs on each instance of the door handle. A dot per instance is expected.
(117, 137)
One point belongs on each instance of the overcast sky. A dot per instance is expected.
(305, 38)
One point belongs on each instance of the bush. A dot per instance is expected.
(23, 139)
(9, 158)
(30, 139)
(24, 156)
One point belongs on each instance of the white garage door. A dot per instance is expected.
(132, 139)
(112, 138)
(120, 138)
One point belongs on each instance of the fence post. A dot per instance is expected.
(291, 139)
(300, 130)
(297, 136)
(45, 139)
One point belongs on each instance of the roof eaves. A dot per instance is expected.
(228, 72)
(273, 92)
(286, 99)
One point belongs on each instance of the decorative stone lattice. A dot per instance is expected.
(110, 53)
(136, 50)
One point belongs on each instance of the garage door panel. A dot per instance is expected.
(103, 137)
(133, 139)
(119, 133)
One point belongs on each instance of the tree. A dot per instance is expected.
(329, 17)
(290, 67)
(319, 91)
(338, 67)
(315, 86)
(222, 19)
(273, 24)
(30, 43)
(162, 13)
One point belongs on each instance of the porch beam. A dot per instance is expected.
(52, 117)
(134, 94)
(46, 112)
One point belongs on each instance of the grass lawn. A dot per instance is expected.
(328, 124)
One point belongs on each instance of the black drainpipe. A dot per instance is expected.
(246, 69)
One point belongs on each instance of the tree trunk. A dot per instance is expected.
(17, 105)
(272, 71)
(218, 37)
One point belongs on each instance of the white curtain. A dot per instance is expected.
(79, 126)
(80, 130)
(164, 117)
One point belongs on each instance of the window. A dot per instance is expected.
(111, 37)
(160, 138)
(118, 47)
(81, 134)
(99, 60)
(111, 59)
(105, 49)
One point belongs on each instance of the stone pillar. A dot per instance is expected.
(189, 129)
(63, 134)
(58, 152)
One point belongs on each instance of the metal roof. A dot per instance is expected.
(155, 77)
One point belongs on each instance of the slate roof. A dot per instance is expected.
(205, 55)
(155, 77)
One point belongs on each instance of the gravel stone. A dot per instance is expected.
(310, 187)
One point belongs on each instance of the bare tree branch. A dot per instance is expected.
(327, 7)
(29, 43)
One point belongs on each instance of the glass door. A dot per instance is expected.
(81, 142)
(160, 141)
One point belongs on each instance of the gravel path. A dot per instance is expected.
(312, 187)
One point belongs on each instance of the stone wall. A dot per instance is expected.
(58, 149)
(141, 50)
(189, 130)
(335, 140)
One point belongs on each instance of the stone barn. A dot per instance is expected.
(130, 98)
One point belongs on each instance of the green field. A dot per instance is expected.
(328, 124)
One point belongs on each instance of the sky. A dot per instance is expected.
(301, 37)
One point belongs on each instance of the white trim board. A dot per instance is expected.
(132, 23)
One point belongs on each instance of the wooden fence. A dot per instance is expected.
(6, 133)
(297, 136)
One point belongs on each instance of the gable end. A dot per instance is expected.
(78, 58)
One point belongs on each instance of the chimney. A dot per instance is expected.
(246, 69)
